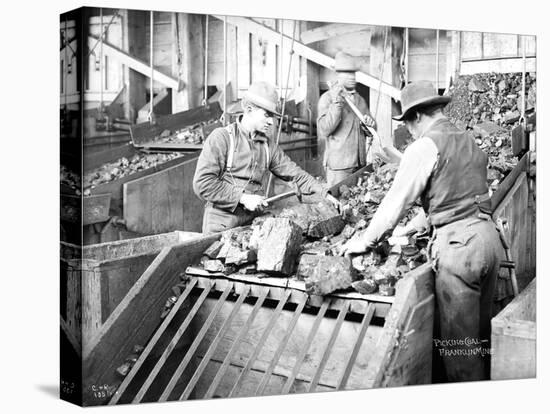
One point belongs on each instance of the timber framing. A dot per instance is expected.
(273, 36)
(135, 64)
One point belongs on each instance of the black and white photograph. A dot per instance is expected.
(263, 206)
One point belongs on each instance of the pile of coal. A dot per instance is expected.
(124, 167)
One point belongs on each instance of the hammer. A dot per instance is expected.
(295, 191)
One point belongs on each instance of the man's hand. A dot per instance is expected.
(253, 202)
(355, 245)
(334, 201)
(336, 93)
(369, 121)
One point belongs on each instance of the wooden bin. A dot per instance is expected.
(396, 349)
(514, 336)
(94, 279)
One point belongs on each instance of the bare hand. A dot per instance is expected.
(369, 121)
(355, 245)
(334, 201)
(253, 202)
(336, 93)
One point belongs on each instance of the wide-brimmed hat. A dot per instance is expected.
(263, 95)
(344, 62)
(419, 94)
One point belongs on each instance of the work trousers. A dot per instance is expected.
(466, 257)
(335, 176)
(216, 220)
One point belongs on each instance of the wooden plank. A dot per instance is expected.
(286, 283)
(278, 355)
(214, 344)
(70, 336)
(513, 338)
(129, 324)
(235, 345)
(357, 303)
(91, 162)
(91, 304)
(274, 37)
(115, 188)
(196, 341)
(506, 65)
(505, 186)
(412, 358)
(330, 30)
(358, 342)
(133, 247)
(138, 65)
(163, 201)
(170, 347)
(151, 344)
(300, 359)
(416, 286)
(328, 348)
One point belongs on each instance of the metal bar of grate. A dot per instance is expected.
(235, 346)
(145, 353)
(202, 366)
(172, 344)
(261, 342)
(309, 340)
(362, 331)
(196, 342)
(328, 349)
(282, 345)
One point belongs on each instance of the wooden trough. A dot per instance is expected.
(94, 279)
(245, 336)
(514, 338)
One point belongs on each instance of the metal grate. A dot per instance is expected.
(141, 377)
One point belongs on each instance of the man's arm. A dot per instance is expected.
(208, 182)
(329, 114)
(284, 168)
(415, 169)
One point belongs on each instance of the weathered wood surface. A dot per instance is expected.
(514, 209)
(115, 188)
(137, 316)
(334, 366)
(163, 201)
(95, 208)
(403, 354)
(504, 188)
(513, 338)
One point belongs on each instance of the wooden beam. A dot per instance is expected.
(386, 47)
(134, 63)
(330, 30)
(274, 37)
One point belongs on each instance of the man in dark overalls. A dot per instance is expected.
(236, 160)
(447, 170)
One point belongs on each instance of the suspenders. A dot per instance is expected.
(231, 151)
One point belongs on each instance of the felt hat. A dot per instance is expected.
(263, 95)
(417, 94)
(344, 63)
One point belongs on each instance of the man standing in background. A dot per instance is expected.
(345, 142)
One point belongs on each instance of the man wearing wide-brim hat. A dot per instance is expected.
(448, 172)
(339, 127)
(236, 159)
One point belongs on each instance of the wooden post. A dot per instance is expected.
(189, 39)
(135, 42)
(389, 67)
